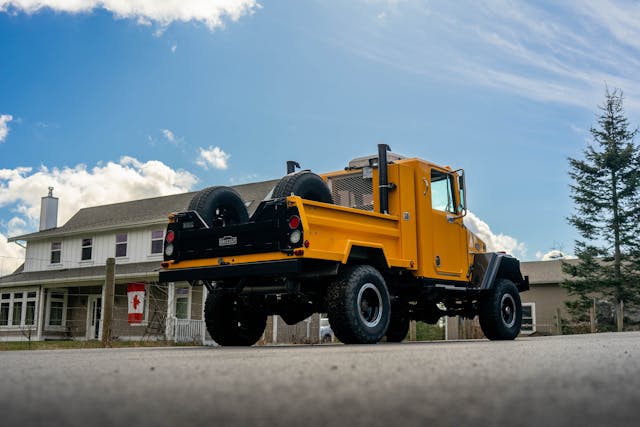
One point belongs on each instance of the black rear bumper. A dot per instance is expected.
(281, 268)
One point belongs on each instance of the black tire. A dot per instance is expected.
(219, 206)
(398, 326)
(305, 184)
(500, 311)
(231, 323)
(358, 305)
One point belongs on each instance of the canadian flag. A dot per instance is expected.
(135, 293)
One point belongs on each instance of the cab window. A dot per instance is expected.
(442, 191)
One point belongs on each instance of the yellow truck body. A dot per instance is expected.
(417, 243)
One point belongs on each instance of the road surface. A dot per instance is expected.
(587, 380)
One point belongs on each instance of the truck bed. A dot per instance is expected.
(330, 233)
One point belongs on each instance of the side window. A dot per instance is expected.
(157, 237)
(18, 308)
(56, 252)
(87, 246)
(442, 190)
(121, 245)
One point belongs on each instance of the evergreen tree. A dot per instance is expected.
(606, 193)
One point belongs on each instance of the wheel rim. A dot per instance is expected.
(369, 305)
(508, 310)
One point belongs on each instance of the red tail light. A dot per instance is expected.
(170, 236)
(294, 222)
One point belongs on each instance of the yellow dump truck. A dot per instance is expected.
(374, 246)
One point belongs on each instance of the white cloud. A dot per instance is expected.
(77, 187)
(495, 242)
(174, 47)
(561, 54)
(169, 135)
(11, 256)
(553, 255)
(145, 12)
(214, 157)
(4, 126)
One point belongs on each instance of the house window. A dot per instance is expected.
(183, 297)
(57, 308)
(121, 245)
(87, 246)
(157, 241)
(56, 252)
(528, 318)
(18, 308)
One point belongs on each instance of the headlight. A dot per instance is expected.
(295, 236)
(168, 250)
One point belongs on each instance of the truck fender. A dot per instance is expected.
(489, 267)
(365, 253)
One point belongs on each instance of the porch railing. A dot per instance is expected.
(186, 330)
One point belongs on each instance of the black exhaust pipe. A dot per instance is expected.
(383, 180)
(291, 166)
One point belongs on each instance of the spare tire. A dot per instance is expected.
(219, 206)
(305, 184)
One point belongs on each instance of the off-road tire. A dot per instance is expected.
(500, 311)
(305, 184)
(358, 305)
(219, 206)
(398, 326)
(231, 323)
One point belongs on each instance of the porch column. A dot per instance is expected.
(41, 314)
(205, 294)
(171, 309)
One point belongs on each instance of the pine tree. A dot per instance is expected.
(606, 193)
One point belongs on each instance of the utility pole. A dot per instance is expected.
(109, 291)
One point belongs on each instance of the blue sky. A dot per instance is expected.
(108, 101)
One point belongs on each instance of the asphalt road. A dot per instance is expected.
(587, 380)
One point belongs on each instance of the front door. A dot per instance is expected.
(94, 317)
(449, 235)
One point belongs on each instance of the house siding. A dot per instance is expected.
(38, 254)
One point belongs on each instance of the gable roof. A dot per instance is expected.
(138, 213)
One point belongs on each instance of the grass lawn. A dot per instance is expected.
(62, 345)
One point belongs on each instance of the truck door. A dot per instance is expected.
(450, 256)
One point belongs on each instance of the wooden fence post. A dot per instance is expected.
(620, 312)
(109, 291)
(592, 316)
(558, 321)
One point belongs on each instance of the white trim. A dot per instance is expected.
(533, 318)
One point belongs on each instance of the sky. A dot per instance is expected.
(108, 101)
